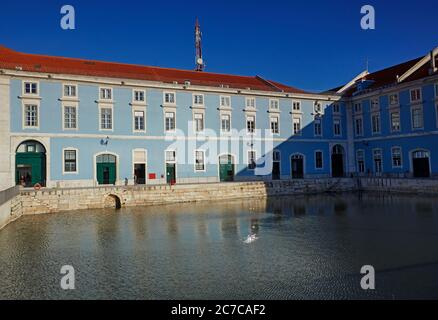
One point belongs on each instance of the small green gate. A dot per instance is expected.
(226, 168)
(106, 169)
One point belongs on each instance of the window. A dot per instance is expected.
(170, 121)
(250, 103)
(250, 124)
(199, 160)
(70, 117)
(417, 118)
(139, 96)
(395, 121)
(317, 126)
(360, 158)
(358, 126)
(198, 99)
(170, 156)
(396, 157)
(226, 123)
(318, 160)
(31, 88)
(415, 95)
(69, 90)
(393, 99)
(375, 123)
(358, 107)
(139, 123)
(251, 160)
(274, 125)
(31, 115)
(317, 107)
(296, 125)
(276, 156)
(225, 102)
(70, 164)
(199, 122)
(106, 93)
(336, 108)
(296, 106)
(375, 104)
(106, 118)
(377, 156)
(169, 98)
(337, 127)
(273, 104)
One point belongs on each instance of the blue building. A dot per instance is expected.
(70, 122)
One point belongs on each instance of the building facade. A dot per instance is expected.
(70, 122)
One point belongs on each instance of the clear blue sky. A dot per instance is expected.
(313, 45)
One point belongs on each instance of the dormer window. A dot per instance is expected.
(31, 88)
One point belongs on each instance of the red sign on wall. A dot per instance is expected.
(152, 176)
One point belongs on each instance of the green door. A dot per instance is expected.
(106, 169)
(106, 173)
(30, 168)
(226, 168)
(170, 173)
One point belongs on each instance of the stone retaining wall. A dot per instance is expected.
(398, 185)
(54, 200)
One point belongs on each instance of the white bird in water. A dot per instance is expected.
(251, 238)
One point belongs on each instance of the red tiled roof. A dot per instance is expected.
(10, 59)
(388, 77)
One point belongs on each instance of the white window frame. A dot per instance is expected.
(296, 106)
(336, 107)
(204, 161)
(63, 161)
(363, 159)
(391, 121)
(100, 117)
(174, 121)
(277, 117)
(249, 106)
(335, 134)
(358, 134)
(275, 102)
(381, 160)
(134, 100)
(38, 114)
(134, 110)
(392, 157)
(322, 160)
(419, 107)
(225, 98)
(317, 107)
(248, 159)
(379, 123)
(419, 98)
(357, 108)
(393, 95)
(69, 96)
(319, 119)
(194, 95)
(300, 122)
(72, 105)
(195, 113)
(165, 156)
(104, 89)
(169, 103)
(375, 104)
(228, 114)
(247, 116)
(37, 83)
